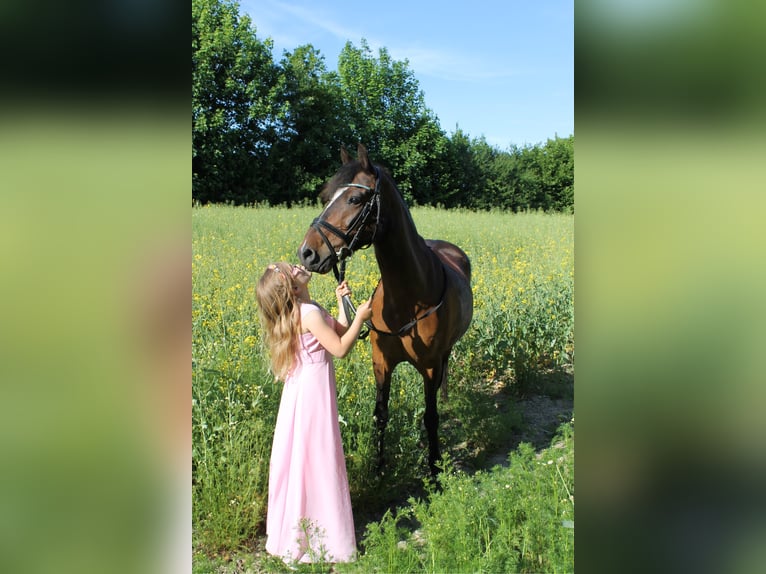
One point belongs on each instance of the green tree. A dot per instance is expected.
(504, 181)
(309, 127)
(234, 98)
(523, 190)
(385, 108)
(492, 191)
(464, 179)
(557, 170)
(271, 132)
(539, 177)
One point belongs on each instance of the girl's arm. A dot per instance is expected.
(337, 345)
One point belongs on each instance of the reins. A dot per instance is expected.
(340, 256)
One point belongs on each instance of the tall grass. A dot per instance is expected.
(518, 518)
(523, 325)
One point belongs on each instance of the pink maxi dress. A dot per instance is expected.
(309, 510)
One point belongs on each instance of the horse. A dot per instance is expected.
(423, 302)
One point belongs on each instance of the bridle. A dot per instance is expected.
(339, 256)
(350, 237)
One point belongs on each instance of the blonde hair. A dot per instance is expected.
(280, 316)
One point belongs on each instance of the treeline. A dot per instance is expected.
(266, 131)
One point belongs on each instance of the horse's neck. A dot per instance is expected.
(405, 261)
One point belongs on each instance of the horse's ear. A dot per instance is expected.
(344, 157)
(361, 155)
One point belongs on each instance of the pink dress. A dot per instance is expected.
(309, 514)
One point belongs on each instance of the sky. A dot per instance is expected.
(501, 69)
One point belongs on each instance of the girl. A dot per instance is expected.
(309, 510)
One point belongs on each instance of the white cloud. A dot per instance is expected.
(315, 19)
(438, 63)
(450, 66)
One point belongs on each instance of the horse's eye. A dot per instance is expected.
(355, 200)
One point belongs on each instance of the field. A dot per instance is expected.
(517, 516)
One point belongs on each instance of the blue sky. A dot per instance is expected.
(503, 69)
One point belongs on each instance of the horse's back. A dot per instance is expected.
(451, 255)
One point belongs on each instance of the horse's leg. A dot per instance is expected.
(383, 385)
(443, 382)
(433, 378)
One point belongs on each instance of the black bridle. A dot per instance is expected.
(350, 238)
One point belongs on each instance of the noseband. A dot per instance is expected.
(351, 236)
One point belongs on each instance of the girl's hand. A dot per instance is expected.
(342, 290)
(364, 310)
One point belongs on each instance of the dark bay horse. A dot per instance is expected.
(423, 302)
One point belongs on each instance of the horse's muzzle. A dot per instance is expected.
(312, 261)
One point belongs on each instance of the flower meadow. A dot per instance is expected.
(523, 328)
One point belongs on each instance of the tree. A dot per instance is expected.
(464, 179)
(271, 132)
(557, 167)
(385, 108)
(309, 127)
(540, 176)
(233, 103)
(503, 185)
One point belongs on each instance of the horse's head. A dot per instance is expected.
(350, 217)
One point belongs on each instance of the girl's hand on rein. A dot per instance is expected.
(364, 311)
(342, 290)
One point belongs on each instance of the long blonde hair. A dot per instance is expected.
(280, 316)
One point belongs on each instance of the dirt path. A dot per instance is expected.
(541, 417)
(539, 413)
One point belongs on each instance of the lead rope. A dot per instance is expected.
(348, 306)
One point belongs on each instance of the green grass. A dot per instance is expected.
(514, 518)
(518, 518)
(522, 329)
